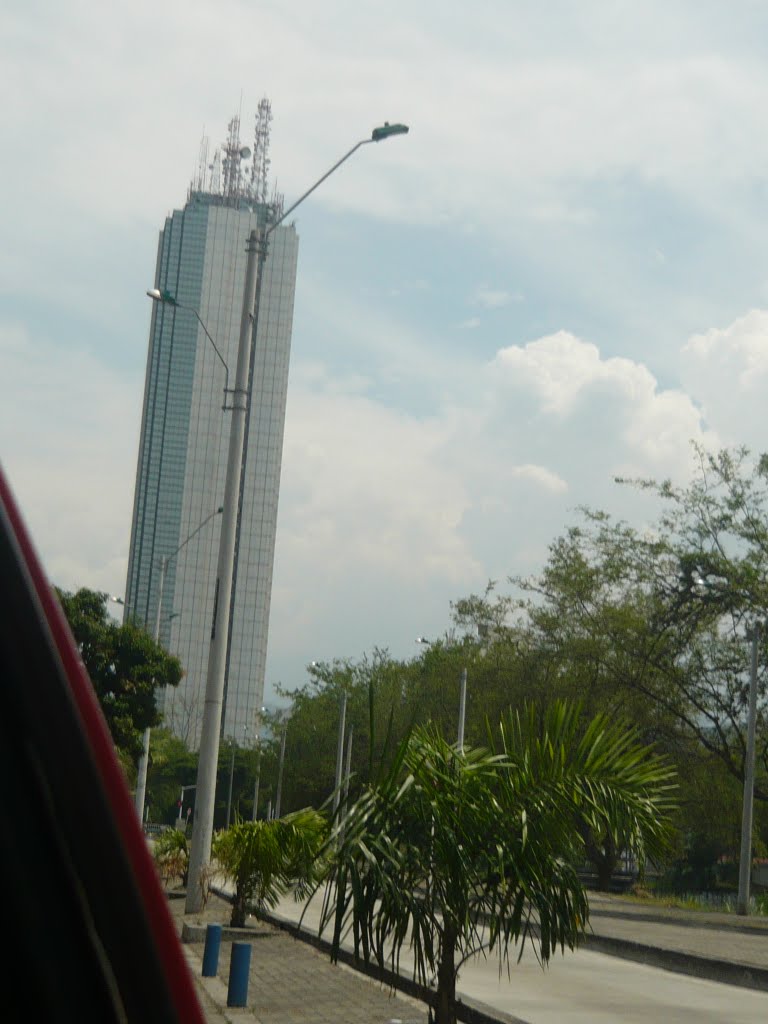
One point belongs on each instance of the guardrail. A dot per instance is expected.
(155, 830)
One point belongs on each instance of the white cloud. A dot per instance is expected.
(491, 298)
(385, 516)
(103, 141)
(385, 513)
(558, 150)
(726, 370)
(548, 480)
(69, 428)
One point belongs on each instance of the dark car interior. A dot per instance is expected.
(86, 927)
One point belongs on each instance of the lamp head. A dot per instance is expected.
(388, 129)
(162, 296)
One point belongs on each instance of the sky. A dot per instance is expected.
(559, 276)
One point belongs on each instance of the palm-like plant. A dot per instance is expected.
(264, 858)
(454, 853)
(171, 854)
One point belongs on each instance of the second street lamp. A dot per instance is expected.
(745, 858)
(202, 832)
(462, 697)
(141, 779)
(166, 299)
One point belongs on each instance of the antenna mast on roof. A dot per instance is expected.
(203, 166)
(227, 173)
(261, 161)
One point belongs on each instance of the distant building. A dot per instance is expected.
(201, 262)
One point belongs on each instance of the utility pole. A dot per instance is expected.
(340, 751)
(255, 814)
(202, 831)
(279, 794)
(462, 708)
(745, 860)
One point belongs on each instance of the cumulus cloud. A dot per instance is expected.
(385, 514)
(394, 512)
(726, 370)
(549, 151)
(569, 381)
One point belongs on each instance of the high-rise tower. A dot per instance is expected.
(201, 263)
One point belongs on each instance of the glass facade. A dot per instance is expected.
(183, 453)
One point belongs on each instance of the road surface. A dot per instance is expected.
(590, 988)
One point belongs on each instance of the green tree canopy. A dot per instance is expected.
(125, 666)
(654, 622)
(264, 858)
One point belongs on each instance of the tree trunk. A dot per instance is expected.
(605, 868)
(239, 909)
(604, 856)
(445, 1005)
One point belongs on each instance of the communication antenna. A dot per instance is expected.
(214, 167)
(261, 160)
(227, 173)
(201, 180)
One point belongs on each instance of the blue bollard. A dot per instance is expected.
(239, 968)
(211, 951)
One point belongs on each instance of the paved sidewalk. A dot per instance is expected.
(289, 981)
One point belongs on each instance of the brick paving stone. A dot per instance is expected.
(290, 982)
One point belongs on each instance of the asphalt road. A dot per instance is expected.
(591, 987)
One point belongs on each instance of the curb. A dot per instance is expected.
(743, 926)
(196, 933)
(471, 1011)
(727, 972)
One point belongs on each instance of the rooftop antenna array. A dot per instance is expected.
(230, 175)
(235, 155)
(261, 160)
(200, 181)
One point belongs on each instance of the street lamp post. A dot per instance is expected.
(231, 778)
(202, 832)
(255, 813)
(462, 697)
(348, 766)
(165, 298)
(181, 803)
(745, 859)
(339, 746)
(232, 773)
(280, 765)
(340, 751)
(141, 779)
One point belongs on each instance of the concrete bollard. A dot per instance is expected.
(211, 951)
(239, 968)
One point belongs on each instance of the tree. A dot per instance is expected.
(314, 722)
(171, 766)
(456, 853)
(264, 858)
(125, 665)
(708, 573)
(171, 855)
(653, 622)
